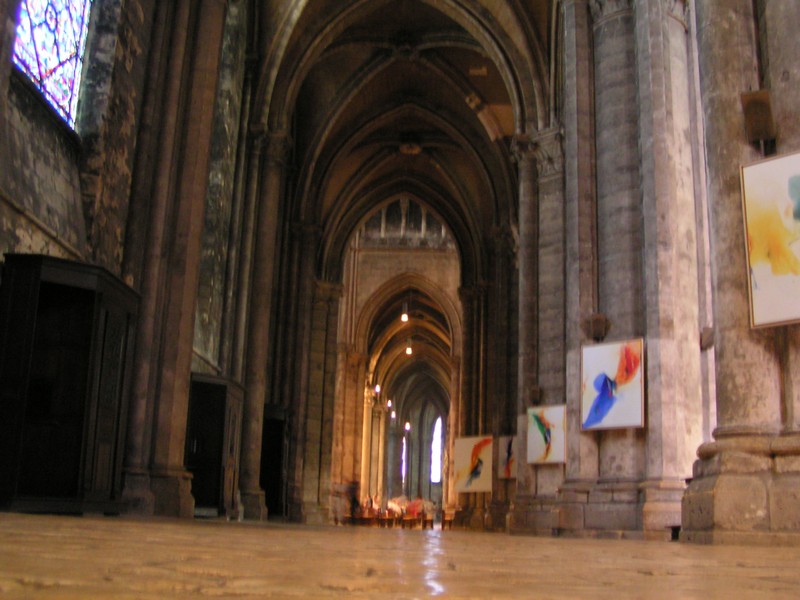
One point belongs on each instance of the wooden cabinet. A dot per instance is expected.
(66, 344)
(212, 444)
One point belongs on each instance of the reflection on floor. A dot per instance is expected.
(96, 557)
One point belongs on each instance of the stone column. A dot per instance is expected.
(528, 265)
(674, 406)
(542, 310)
(551, 374)
(468, 423)
(239, 253)
(501, 360)
(382, 447)
(256, 141)
(259, 312)
(366, 433)
(453, 431)
(170, 481)
(580, 253)
(295, 362)
(348, 413)
(136, 489)
(472, 407)
(613, 503)
(318, 440)
(781, 48)
(729, 498)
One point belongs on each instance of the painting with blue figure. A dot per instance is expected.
(615, 398)
(547, 434)
(507, 457)
(472, 459)
(605, 399)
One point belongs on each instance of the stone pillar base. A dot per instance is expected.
(572, 499)
(496, 516)
(613, 510)
(137, 497)
(608, 509)
(254, 507)
(538, 516)
(314, 514)
(661, 508)
(172, 490)
(745, 490)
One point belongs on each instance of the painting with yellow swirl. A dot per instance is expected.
(771, 205)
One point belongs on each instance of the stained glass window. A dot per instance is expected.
(51, 35)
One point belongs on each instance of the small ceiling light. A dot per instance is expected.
(404, 316)
(408, 426)
(389, 404)
(408, 347)
(377, 388)
(394, 415)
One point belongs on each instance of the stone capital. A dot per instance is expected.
(327, 291)
(543, 149)
(522, 148)
(549, 152)
(604, 9)
(278, 145)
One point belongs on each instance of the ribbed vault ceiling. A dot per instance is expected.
(417, 98)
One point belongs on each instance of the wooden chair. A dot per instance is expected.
(448, 516)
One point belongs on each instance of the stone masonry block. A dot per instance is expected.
(600, 496)
(787, 464)
(626, 496)
(697, 507)
(571, 517)
(615, 517)
(740, 503)
(784, 503)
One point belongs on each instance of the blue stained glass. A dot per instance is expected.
(51, 35)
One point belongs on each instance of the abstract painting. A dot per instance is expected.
(507, 457)
(472, 457)
(612, 388)
(771, 206)
(547, 434)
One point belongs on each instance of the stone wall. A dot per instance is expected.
(42, 212)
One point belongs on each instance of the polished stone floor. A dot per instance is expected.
(96, 557)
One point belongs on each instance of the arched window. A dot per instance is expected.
(436, 452)
(403, 464)
(51, 36)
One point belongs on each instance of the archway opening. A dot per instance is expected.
(398, 308)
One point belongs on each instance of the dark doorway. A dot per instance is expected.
(53, 430)
(204, 445)
(273, 457)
